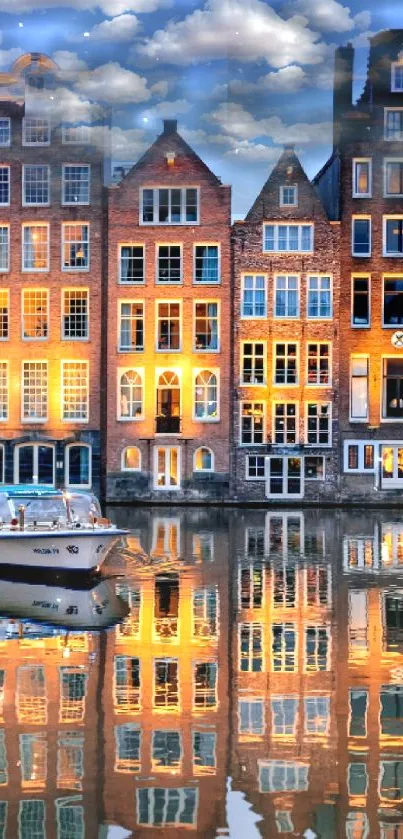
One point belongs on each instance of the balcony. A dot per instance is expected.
(168, 425)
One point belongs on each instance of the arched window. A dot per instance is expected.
(206, 396)
(203, 460)
(78, 465)
(131, 459)
(131, 395)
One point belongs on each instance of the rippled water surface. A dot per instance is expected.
(251, 687)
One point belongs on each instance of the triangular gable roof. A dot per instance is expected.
(287, 171)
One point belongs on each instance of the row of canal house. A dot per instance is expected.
(153, 350)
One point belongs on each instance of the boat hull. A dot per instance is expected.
(81, 550)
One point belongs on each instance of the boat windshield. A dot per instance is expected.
(83, 506)
(44, 509)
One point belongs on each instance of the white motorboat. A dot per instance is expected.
(42, 527)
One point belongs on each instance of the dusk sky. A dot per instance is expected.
(241, 76)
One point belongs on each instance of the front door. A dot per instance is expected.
(392, 467)
(34, 464)
(166, 470)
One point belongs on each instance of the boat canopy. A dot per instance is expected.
(47, 504)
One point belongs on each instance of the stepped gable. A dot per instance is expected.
(287, 171)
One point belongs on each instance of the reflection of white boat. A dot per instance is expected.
(41, 527)
(73, 608)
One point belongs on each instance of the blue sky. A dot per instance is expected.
(241, 76)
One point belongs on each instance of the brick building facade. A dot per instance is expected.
(51, 220)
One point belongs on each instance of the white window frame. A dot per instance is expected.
(7, 389)
(206, 301)
(297, 429)
(387, 160)
(253, 384)
(277, 225)
(30, 290)
(120, 372)
(212, 283)
(46, 226)
(124, 468)
(361, 444)
(285, 458)
(215, 371)
(286, 356)
(67, 464)
(249, 477)
(168, 301)
(63, 314)
(330, 362)
(252, 402)
(392, 139)
(168, 489)
(355, 191)
(389, 276)
(301, 771)
(75, 203)
(393, 68)
(3, 462)
(26, 142)
(6, 292)
(170, 187)
(72, 269)
(254, 276)
(368, 277)
(367, 358)
(251, 626)
(316, 457)
(319, 291)
(6, 226)
(168, 283)
(8, 121)
(319, 404)
(129, 283)
(386, 218)
(31, 420)
(36, 446)
(126, 300)
(26, 203)
(288, 203)
(314, 698)
(66, 128)
(383, 419)
(287, 277)
(279, 699)
(75, 420)
(318, 627)
(7, 167)
(353, 220)
(212, 456)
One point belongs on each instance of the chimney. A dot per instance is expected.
(170, 126)
(342, 88)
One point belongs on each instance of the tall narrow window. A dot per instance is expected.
(76, 184)
(35, 247)
(130, 395)
(285, 423)
(75, 247)
(168, 326)
(4, 186)
(206, 396)
(358, 713)
(251, 717)
(359, 388)
(286, 300)
(4, 314)
(206, 264)
(318, 424)
(393, 177)
(362, 175)
(75, 391)
(4, 248)
(78, 465)
(169, 264)
(253, 363)
(166, 751)
(131, 326)
(131, 264)
(284, 643)
(35, 185)
(251, 647)
(127, 747)
(35, 314)
(393, 123)
(319, 364)
(316, 648)
(361, 236)
(31, 818)
(205, 685)
(166, 685)
(3, 390)
(252, 423)
(254, 296)
(206, 327)
(35, 131)
(285, 364)
(392, 404)
(5, 131)
(319, 297)
(393, 236)
(34, 391)
(205, 613)
(204, 752)
(126, 684)
(397, 77)
(75, 313)
(251, 585)
(284, 711)
(360, 308)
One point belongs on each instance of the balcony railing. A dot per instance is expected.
(167, 425)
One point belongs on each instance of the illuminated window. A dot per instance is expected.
(35, 131)
(319, 297)
(391, 780)
(166, 537)
(254, 302)
(391, 830)
(76, 134)
(251, 576)
(361, 236)
(360, 302)
(319, 364)
(4, 248)
(75, 314)
(78, 465)
(285, 364)
(127, 747)
(206, 267)
(75, 393)
(297, 238)
(130, 626)
(391, 698)
(75, 247)
(166, 687)
(70, 760)
(289, 195)
(397, 76)
(33, 759)
(253, 367)
(203, 460)
(316, 648)
(73, 691)
(166, 605)
(31, 819)
(169, 206)
(35, 185)
(318, 424)
(31, 699)
(358, 700)
(357, 826)
(206, 326)
(165, 807)
(4, 314)
(317, 586)
(286, 296)
(359, 388)
(166, 751)
(357, 779)
(317, 714)
(168, 326)
(70, 818)
(282, 776)
(130, 395)
(206, 396)
(34, 391)
(393, 124)
(205, 613)
(362, 177)
(131, 459)
(392, 403)
(131, 326)
(252, 423)
(284, 586)
(284, 644)
(35, 247)
(251, 648)
(285, 423)
(393, 236)
(5, 131)
(76, 183)
(204, 752)
(35, 314)
(3, 762)
(284, 710)
(131, 264)
(4, 186)
(169, 264)
(205, 685)
(251, 717)
(126, 684)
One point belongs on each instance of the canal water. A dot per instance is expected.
(251, 687)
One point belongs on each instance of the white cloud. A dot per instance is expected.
(160, 88)
(254, 152)
(227, 29)
(362, 40)
(170, 109)
(113, 84)
(8, 56)
(198, 136)
(125, 144)
(286, 80)
(109, 7)
(241, 125)
(117, 30)
(66, 105)
(324, 15)
(363, 20)
(69, 62)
